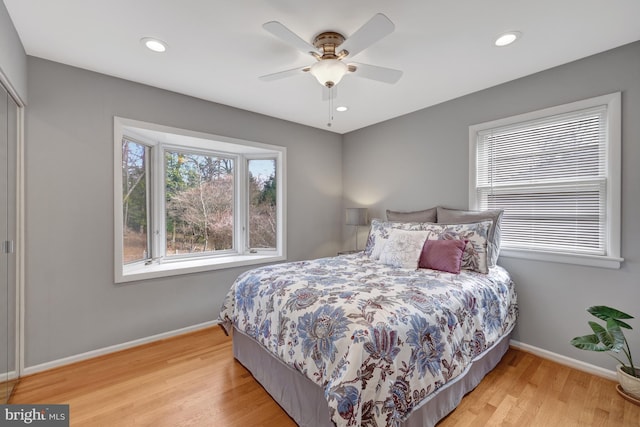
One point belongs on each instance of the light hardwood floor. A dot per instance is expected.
(193, 380)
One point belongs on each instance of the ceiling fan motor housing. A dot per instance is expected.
(329, 69)
(327, 42)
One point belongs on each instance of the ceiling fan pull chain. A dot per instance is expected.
(330, 107)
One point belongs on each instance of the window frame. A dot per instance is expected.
(148, 192)
(247, 200)
(612, 258)
(164, 138)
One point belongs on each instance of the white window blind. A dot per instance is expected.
(550, 177)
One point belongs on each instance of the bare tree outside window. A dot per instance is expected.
(134, 201)
(199, 203)
(263, 220)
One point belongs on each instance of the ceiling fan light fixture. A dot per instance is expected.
(329, 72)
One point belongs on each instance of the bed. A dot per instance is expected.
(366, 340)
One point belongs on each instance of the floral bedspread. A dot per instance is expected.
(378, 339)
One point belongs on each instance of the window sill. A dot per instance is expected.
(586, 260)
(135, 272)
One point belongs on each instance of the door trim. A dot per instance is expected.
(20, 239)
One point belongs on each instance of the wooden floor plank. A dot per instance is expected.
(193, 380)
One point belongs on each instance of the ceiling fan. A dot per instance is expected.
(331, 48)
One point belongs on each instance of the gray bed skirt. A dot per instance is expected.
(304, 400)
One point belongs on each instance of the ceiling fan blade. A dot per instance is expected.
(373, 72)
(282, 74)
(375, 29)
(288, 36)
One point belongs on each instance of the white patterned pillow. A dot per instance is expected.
(458, 216)
(475, 253)
(380, 232)
(403, 248)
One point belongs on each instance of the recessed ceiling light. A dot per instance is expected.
(342, 108)
(507, 38)
(153, 44)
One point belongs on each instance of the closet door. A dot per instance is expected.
(8, 302)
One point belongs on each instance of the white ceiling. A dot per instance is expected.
(218, 48)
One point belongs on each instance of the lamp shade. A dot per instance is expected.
(356, 216)
(329, 72)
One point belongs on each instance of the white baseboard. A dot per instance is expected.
(8, 376)
(567, 361)
(112, 349)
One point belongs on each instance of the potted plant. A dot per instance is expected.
(610, 337)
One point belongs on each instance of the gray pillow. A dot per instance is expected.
(458, 216)
(427, 215)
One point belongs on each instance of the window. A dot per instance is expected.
(187, 202)
(134, 201)
(556, 174)
(263, 224)
(199, 207)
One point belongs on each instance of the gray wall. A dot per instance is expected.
(13, 60)
(421, 160)
(72, 303)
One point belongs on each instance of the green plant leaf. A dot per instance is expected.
(605, 313)
(589, 342)
(622, 324)
(616, 334)
(603, 335)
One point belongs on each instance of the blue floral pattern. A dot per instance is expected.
(378, 339)
(319, 332)
(426, 344)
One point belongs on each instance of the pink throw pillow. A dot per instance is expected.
(443, 255)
